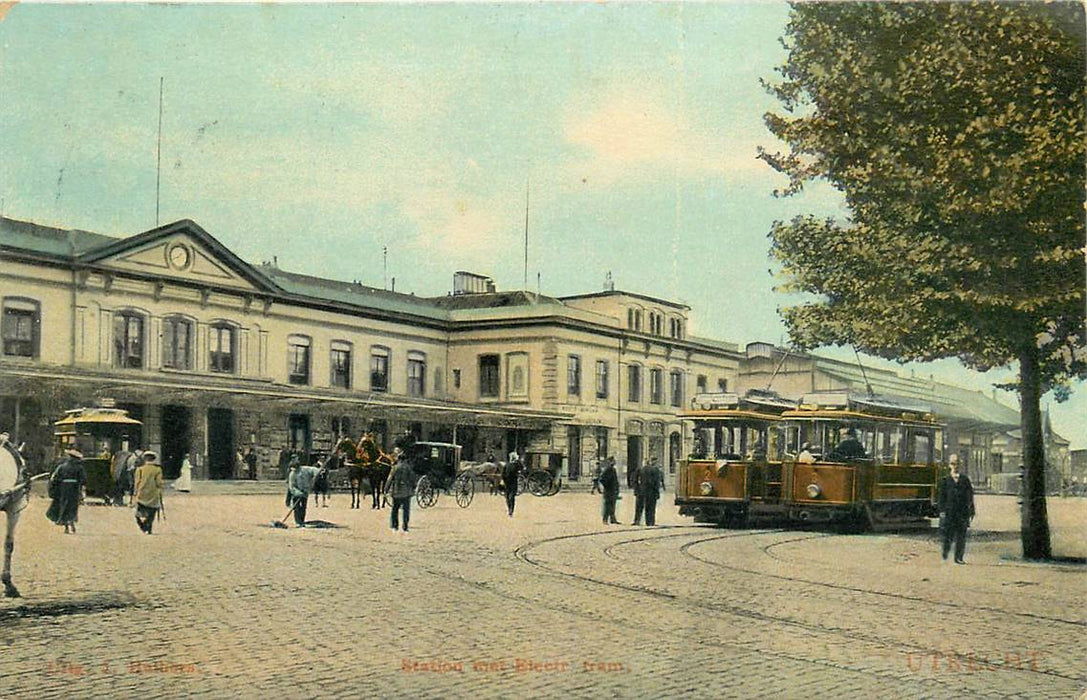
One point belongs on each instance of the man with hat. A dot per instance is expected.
(66, 490)
(148, 491)
(849, 447)
(299, 485)
(401, 486)
(650, 483)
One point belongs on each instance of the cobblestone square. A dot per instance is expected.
(469, 603)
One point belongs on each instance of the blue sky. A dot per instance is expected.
(321, 133)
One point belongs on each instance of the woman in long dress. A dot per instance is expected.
(66, 490)
(184, 480)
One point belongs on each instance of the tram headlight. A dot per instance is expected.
(814, 490)
(706, 488)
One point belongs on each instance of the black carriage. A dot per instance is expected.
(540, 475)
(437, 468)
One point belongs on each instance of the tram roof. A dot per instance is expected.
(115, 416)
(924, 420)
(730, 413)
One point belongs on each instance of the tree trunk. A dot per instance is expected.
(1034, 519)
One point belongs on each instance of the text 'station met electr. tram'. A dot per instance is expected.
(863, 462)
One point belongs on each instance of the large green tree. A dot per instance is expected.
(955, 132)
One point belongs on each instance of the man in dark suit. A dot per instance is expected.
(609, 486)
(650, 483)
(634, 476)
(956, 509)
(848, 447)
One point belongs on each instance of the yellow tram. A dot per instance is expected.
(736, 463)
(97, 433)
(892, 482)
(759, 456)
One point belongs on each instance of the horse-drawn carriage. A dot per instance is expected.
(437, 466)
(540, 475)
(97, 433)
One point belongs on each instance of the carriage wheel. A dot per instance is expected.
(465, 489)
(425, 493)
(539, 483)
(556, 486)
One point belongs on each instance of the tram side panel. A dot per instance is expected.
(710, 492)
(826, 492)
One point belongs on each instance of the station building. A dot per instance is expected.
(215, 355)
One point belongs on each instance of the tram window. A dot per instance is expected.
(920, 448)
(777, 442)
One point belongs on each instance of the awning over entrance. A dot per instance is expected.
(187, 390)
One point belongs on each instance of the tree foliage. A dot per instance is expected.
(956, 134)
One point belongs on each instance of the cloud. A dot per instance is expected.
(456, 224)
(629, 133)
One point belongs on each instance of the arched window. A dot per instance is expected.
(416, 373)
(222, 347)
(128, 339)
(677, 388)
(379, 368)
(340, 364)
(298, 359)
(21, 327)
(177, 342)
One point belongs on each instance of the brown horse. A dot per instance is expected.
(365, 460)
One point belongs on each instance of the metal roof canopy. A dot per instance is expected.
(139, 389)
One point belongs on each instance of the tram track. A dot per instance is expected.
(663, 631)
(718, 610)
(685, 550)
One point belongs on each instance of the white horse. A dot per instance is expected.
(14, 496)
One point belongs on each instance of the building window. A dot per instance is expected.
(634, 383)
(176, 343)
(341, 427)
(700, 384)
(340, 364)
(221, 348)
(677, 388)
(630, 319)
(675, 327)
(656, 324)
(573, 375)
(21, 324)
(601, 379)
(437, 381)
(488, 376)
(601, 443)
(128, 340)
(379, 368)
(722, 385)
(637, 319)
(456, 379)
(298, 347)
(416, 374)
(656, 386)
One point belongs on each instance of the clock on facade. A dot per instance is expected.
(179, 256)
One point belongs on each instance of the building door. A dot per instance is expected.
(176, 438)
(573, 452)
(220, 443)
(298, 426)
(634, 454)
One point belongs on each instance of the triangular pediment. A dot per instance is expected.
(182, 251)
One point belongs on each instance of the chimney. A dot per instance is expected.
(394, 285)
